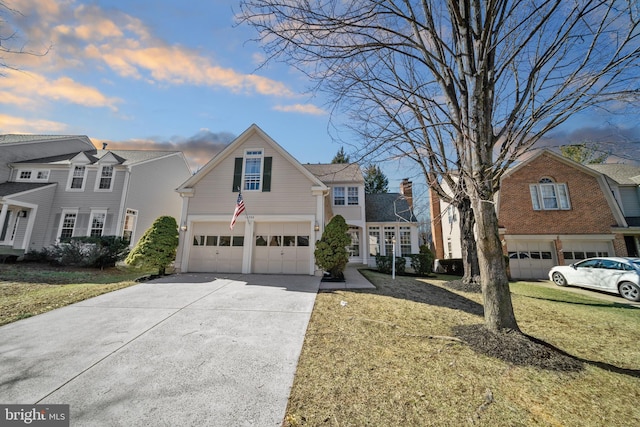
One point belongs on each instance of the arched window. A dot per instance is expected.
(549, 195)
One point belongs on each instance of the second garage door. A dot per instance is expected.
(282, 248)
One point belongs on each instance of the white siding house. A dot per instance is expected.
(287, 206)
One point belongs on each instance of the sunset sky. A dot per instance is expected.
(176, 75)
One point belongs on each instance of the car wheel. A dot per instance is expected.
(630, 291)
(559, 279)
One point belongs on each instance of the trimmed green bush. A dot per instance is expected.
(383, 263)
(331, 250)
(86, 251)
(422, 263)
(157, 247)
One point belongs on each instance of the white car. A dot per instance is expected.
(610, 274)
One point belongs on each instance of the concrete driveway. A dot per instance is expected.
(185, 350)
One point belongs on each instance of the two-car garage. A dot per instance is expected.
(268, 247)
(532, 259)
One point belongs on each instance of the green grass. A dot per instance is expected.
(30, 289)
(384, 358)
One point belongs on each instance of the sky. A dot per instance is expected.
(181, 75)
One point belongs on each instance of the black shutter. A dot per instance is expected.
(237, 175)
(266, 176)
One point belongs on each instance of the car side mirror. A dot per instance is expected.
(573, 266)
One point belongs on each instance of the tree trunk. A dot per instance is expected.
(498, 310)
(468, 241)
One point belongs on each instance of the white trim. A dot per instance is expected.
(95, 212)
(96, 187)
(71, 176)
(62, 216)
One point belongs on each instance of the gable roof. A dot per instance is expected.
(26, 139)
(388, 207)
(124, 157)
(623, 174)
(555, 156)
(12, 188)
(251, 130)
(336, 172)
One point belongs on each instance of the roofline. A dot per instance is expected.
(244, 136)
(49, 138)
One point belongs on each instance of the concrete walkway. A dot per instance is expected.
(187, 350)
(352, 280)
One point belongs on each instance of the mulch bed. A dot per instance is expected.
(517, 348)
(459, 285)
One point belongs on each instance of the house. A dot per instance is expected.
(287, 205)
(552, 210)
(55, 187)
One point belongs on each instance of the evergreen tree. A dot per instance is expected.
(157, 246)
(331, 250)
(340, 157)
(375, 182)
(584, 154)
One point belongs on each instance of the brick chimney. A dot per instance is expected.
(407, 191)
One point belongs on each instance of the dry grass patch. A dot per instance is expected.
(30, 289)
(389, 357)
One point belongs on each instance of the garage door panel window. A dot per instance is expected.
(547, 195)
(278, 241)
(238, 241)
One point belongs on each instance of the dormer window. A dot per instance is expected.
(345, 196)
(549, 195)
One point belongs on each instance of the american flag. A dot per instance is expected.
(239, 209)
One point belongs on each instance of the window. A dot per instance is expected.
(33, 175)
(405, 241)
(97, 221)
(67, 224)
(354, 247)
(389, 240)
(252, 169)
(78, 174)
(374, 241)
(352, 196)
(105, 178)
(129, 224)
(303, 240)
(338, 196)
(345, 196)
(547, 195)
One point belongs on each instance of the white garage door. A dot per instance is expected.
(215, 248)
(282, 248)
(575, 251)
(530, 260)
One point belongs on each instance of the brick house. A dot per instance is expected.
(552, 210)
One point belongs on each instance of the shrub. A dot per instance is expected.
(452, 266)
(331, 250)
(95, 251)
(157, 246)
(383, 263)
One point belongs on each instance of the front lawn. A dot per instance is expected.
(28, 289)
(392, 357)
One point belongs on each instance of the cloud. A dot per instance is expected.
(24, 89)
(198, 148)
(85, 34)
(300, 108)
(622, 143)
(12, 124)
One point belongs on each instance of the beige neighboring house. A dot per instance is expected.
(287, 205)
(55, 187)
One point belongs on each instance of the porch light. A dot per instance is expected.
(316, 227)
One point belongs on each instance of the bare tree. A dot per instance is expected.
(8, 39)
(472, 84)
